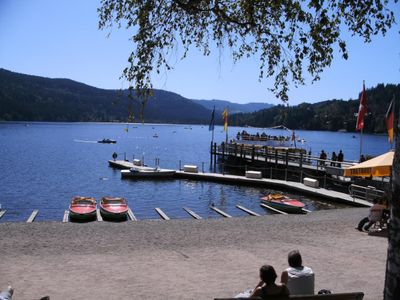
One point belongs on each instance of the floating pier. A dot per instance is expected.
(32, 216)
(273, 209)
(98, 215)
(192, 213)
(66, 216)
(222, 213)
(250, 212)
(131, 215)
(162, 214)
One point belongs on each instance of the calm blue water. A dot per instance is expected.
(43, 165)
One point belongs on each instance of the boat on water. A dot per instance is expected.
(82, 208)
(283, 203)
(114, 208)
(107, 141)
(147, 172)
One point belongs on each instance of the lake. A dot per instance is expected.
(45, 164)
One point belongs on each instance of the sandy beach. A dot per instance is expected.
(187, 259)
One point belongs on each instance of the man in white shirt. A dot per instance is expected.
(298, 278)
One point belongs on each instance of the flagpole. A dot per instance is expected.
(361, 135)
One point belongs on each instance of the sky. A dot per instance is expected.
(61, 39)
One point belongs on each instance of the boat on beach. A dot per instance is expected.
(147, 172)
(82, 208)
(283, 203)
(107, 141)
(114, 208)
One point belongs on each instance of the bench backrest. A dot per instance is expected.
(341, 296)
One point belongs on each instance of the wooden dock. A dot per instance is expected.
(162, 214)
(192, 213)
(222, 213)
(32, 216)
(250, 212)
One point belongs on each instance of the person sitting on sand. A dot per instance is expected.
(267, 286)
(7, 295)
(375, 214)
(298, 278)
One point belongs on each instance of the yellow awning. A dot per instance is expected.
(380, 166)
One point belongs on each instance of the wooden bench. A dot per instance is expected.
(340, 296)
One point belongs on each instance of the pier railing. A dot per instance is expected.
(279, 155)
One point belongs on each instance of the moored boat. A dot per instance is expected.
(113, 208)
(283, 203)
(107, 141)
(147, 172)
(82, 208)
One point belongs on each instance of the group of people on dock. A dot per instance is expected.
(336, 159)
(245, 136)
(295, 280)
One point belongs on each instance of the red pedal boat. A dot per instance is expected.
(114, 208)
(283, 203)
(82, 208)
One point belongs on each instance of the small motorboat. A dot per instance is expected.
(147, 172)
(107, 141)
(113, 208)
(82, 208)
(283, 203)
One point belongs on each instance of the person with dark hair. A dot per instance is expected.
(340, 158)
(267, 286)
(298, 278)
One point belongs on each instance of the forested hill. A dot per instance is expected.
(233, 108)
(34, 98)
(327, 115)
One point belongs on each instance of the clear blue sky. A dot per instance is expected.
(60, 39)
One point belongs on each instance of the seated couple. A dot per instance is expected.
(296, 280)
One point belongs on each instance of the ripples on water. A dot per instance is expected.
(45, 164)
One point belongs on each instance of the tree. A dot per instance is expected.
(289, 37)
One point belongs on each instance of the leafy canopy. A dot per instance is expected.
(289, 37)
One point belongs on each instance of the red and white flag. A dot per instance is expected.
(362, 110)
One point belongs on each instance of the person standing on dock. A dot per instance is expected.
(333, 159)
(340, 158)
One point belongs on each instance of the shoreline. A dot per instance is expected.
(187, 259)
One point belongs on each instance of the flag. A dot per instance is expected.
(212, 121)
(362, 110)
(389, 120)
(225, 116)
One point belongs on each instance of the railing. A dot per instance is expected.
(367, 193)
(281, 154)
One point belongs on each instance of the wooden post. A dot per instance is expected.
(286, 174)
(241, 151)
(215, 155)
(253, 149)
(301, 160)
(270, 173)
(287, 158)
(180, 165)
(325, 180)
(223, 151)
(276, 158)
(301, 175)
(223, 169)
(202, 166)
(265, 162)
(235, 150)
(211, 154)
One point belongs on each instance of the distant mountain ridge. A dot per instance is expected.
(34, 98)
(233, 108)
